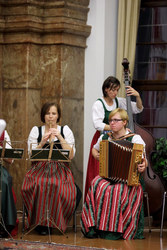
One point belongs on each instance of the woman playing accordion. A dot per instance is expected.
(114, 210)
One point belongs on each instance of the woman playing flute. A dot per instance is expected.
(48, 188)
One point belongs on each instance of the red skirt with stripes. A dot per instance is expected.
(112, 208)
(49, 195)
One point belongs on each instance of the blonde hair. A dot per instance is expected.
(123, 114)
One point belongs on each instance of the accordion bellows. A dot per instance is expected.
(119, 161)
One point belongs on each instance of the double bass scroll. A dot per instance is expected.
(125, 64)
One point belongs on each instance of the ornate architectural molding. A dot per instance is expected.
(44, 22)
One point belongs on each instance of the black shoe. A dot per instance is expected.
(3, 234)
(43, 230)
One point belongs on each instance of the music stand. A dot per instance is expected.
(46, 154)
(7, 153)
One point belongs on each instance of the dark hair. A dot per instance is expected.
(45, 108)
(110, 82)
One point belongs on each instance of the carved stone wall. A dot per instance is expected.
(42, 47)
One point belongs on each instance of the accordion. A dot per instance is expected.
(119, 161)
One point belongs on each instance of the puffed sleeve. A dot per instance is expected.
(97, 145)
(98, 116)
(122, 105)
(69, 137)
(7, 139)
(137, 139)
(32, 138)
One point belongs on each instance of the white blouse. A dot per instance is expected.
(34, 133)
(7, 139)
(98, 112)
(8, 142)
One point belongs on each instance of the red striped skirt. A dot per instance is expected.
(49, 195)
(112, 208)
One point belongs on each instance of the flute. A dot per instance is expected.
(51, 142)
(50, 139)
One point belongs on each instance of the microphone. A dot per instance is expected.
(2, 126)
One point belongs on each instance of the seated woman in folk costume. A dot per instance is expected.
(9, 221)
(49, 185)
(115, 210)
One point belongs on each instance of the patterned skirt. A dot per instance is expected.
(112, 208)
(8, 208)
(49, 195)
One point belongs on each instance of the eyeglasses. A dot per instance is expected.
(115, 120)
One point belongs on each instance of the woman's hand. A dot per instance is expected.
(45, 137)
(131, 91)
(54, 132)
(142, 166)
(95, 154)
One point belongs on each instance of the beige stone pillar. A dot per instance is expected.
(42, 47)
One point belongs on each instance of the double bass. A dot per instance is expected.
(153, 185)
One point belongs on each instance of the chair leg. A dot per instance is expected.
(148, 210)
(75, 221)
(23, 222)
(162, 218)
